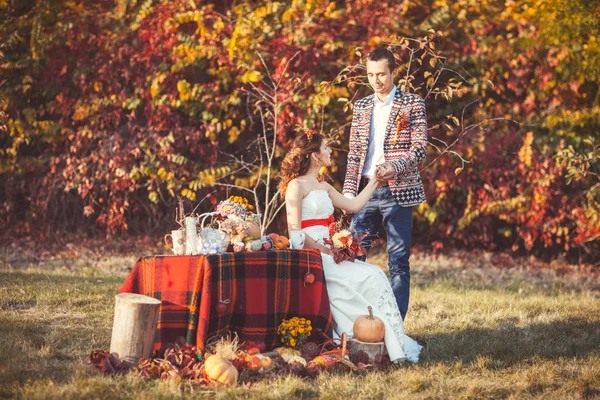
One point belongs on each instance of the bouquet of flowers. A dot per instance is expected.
(235, 205)
(236, 227)
(294, 332)
(345, 245)
(236, 218)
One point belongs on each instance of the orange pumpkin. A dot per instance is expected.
(219, 369)
(324, 361)
(254, 363)
(368, 328)
(281, 242)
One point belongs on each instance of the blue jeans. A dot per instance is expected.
(397, 220)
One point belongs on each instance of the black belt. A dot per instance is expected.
(364, 181)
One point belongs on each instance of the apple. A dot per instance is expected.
(266, 246)
(309, 278)
(221, 308)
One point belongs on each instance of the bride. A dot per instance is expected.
(351, 286)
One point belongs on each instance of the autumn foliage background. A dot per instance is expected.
(115, 108)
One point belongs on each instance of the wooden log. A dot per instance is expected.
(372, 349)
(134, 326)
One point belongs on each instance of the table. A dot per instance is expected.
(262, 288)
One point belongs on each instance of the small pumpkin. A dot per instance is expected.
(281, 242)
(297, 359)
(219, 369)
(254, 245)
(239, 247)
(266, 362)
(368, 328)
(324, 361)
(254, 363)
(287, 353)
(252, 228)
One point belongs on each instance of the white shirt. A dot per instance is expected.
(379, 120)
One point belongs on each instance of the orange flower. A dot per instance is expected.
(401, 124)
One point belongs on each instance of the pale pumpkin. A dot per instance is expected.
(266, 362)
(219, 369)
(368, 328)
(254, 245)
(287, 353)
(252, 228)
(297, 359)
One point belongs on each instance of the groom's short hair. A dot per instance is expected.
(381, 53)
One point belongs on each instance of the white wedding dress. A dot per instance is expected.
(353, 286)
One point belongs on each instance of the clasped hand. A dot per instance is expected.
(384, 172)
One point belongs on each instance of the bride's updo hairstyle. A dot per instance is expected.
(297, 161)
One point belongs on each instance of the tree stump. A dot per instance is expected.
(372, 349)
(134, 326)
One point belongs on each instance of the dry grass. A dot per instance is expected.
(491, 333)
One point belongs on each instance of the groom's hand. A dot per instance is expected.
(384, 172)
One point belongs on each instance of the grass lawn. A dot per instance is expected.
(508, 331)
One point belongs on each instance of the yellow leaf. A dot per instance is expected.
(182, 86)
(251, 76)
(287, 15)
(234, 132)
(525, 152)
(458, 170)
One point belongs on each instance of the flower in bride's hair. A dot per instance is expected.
(309, 134)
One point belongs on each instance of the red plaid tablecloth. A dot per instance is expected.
(262, 288)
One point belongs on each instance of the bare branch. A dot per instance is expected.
(232, 186)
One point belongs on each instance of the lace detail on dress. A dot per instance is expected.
(317, 205)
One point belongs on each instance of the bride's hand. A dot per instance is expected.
(326, 250)
(384, 172)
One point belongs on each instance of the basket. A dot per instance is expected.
(211, 240)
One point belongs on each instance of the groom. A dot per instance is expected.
(388, 139)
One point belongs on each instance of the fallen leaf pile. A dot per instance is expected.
(186, 362)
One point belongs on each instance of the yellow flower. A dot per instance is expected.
(300, 330)
(308, 322)
(292, 342)
(282, 340)
(294, 333)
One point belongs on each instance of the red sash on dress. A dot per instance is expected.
(316, 222)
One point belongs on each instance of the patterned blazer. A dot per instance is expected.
(405, 145)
